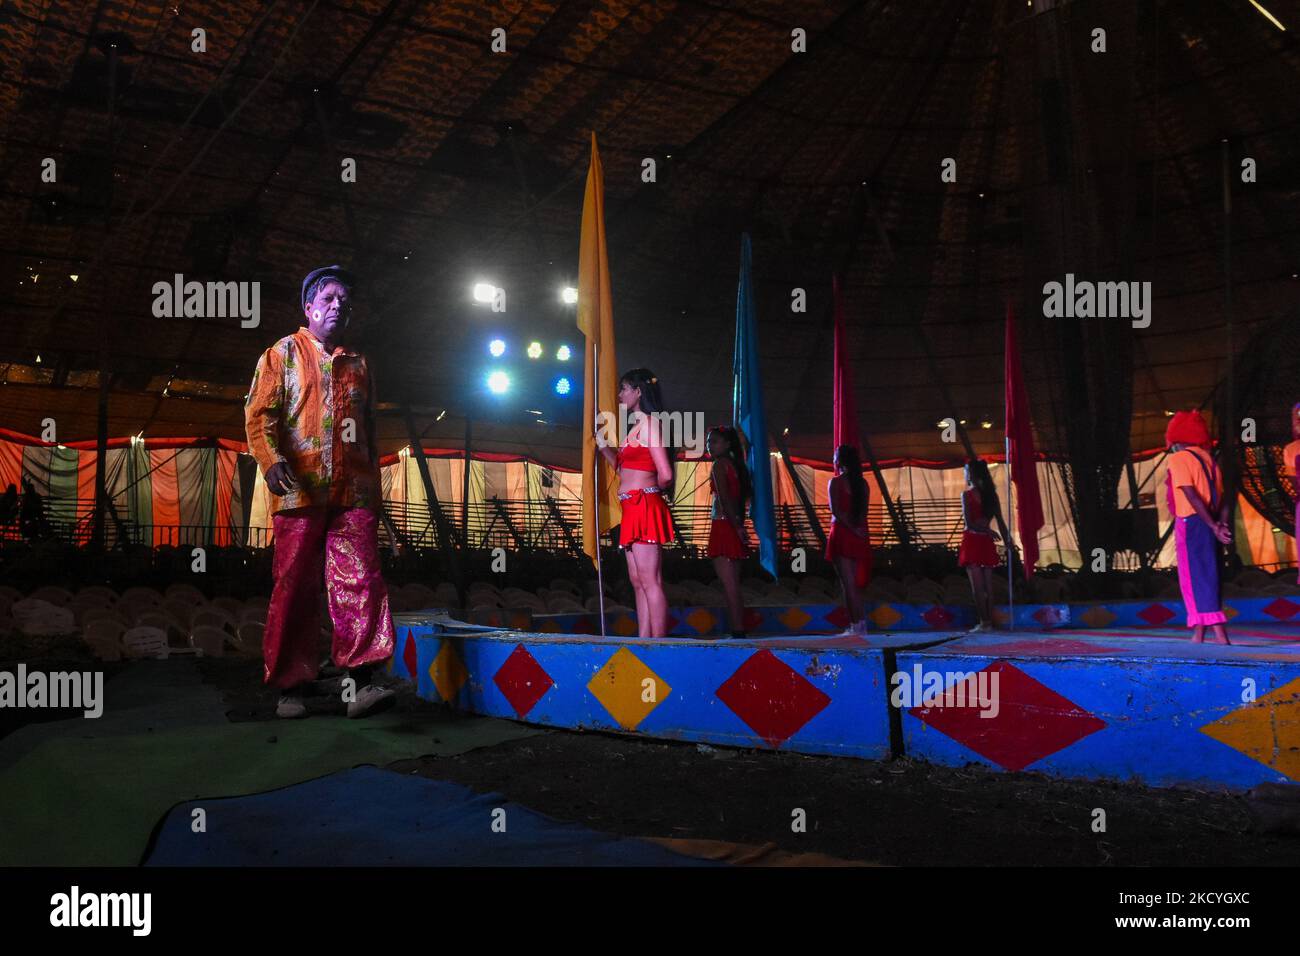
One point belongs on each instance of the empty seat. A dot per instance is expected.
(250, 638)
(145, 642)
(185, 592)
(210, 641)
(213, 617)
(99, 591)
(60, 597)
(138, 594)
(232, 606)
(103, 629)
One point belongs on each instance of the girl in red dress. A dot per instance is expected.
(979, 554)
(849, 546)
(645, 480)
(731, 493)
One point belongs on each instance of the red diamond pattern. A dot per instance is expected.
(838, 617)
(1156, 614)
(1282, 609)
(938, 617)
(1048, 615)
(771, 697)
(409, 656)
(522, 680)
(1033, 721)
(753, 619)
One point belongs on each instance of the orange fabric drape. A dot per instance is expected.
(166, 496)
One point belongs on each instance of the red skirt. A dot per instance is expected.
(724, 542)
(843, 543)
(978, 550)
(645, 519)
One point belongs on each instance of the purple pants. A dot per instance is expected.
(344, 543)
(1198, 571)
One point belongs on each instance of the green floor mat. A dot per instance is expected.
(72, 800)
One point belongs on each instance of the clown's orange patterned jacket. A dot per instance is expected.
(315, 410)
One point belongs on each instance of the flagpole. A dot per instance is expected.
(1011, 571)
(596, 486)
(1011, 523)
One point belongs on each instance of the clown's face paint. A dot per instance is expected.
(327, 313)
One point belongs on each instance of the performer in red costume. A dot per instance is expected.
(978, 553)
(1194, 492)
(849, 546)
(645, 478)
(731, 492)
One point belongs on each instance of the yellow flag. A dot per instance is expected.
(596, 320)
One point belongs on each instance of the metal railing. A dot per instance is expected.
(540, 524)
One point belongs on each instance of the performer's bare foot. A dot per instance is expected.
(1198, 634)
(1220, 634)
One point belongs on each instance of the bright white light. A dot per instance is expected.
(484, 292)
(568, 295)
(563, 353)
(441, 415)
(497, 347)
(534, 350)
(562, 386)
(74, 278)
(498, 382)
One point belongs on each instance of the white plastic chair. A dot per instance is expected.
(213, 617)
(145, 641)
(60, 597)
(184, 592)
(99, 592)
(232, 606)
(210, 641)
(142, 594)
(250, 637)
(164, 622)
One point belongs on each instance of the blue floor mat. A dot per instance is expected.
(372, 817)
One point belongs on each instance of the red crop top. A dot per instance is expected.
(635, 458)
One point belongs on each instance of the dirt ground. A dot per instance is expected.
(902, 812)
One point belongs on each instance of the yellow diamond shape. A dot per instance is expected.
(1097, 616)
(885, 616)
(624, 626)
(628, 689)
(1267, 730)
(794, 618)
(702, 620)
(1230, 612)
(448, 672)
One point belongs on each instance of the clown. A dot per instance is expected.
(310, 423)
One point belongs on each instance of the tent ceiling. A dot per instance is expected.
(224, 165)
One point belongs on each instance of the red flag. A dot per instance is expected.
(1020, 443)
(846, 419)
(845, 414)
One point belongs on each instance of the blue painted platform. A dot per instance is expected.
(1140, 704)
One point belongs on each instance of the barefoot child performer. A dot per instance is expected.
(645, 476)
(731, 493)
(1195, 493)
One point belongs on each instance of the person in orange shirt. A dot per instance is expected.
(1195, 495)
(1291, 460)
(310, 423)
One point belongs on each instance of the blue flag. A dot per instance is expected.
(747, 411)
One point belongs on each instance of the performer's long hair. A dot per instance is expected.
(652, 401)
(983, 482)
(737, 458)
(851, 466)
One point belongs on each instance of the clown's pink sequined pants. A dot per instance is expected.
(344, 542)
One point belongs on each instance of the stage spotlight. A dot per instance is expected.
(563, 353)
(534, 350)
(484, 291)
(986, 424)
(568, 295)
(562, 386)
(498, 382)
(497, 347)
